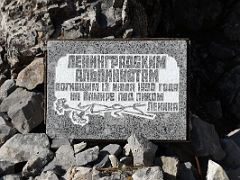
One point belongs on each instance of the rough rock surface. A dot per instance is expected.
(113, 149)
(6, 132)
(59, 141)
(143, 151)
(21, 147)
(79, 173)
(64, 159)
(79, 147)
(235, 136)
(232, 150)
(169, 166)
(87, 156)
(11, 177)
(205, 139)
(24, 108)
(32, 75)
(6, 88)
(49, 175)
(6, 167)
(186, 171)
(150, 173)
(103, 159)
(36, 163)
(114, 161)
(215, 172)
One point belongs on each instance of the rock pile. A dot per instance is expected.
(213, 27)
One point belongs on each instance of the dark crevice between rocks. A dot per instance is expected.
(19, 166)
(39, 129)
(59, 15)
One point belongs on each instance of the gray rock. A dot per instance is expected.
(49, 175)
(114, 161)
(170, 166)
(127, 150)
(79, 147)
(2, 120)
(149, 173)
(28, 25)
(32, 75)
(6, 132)
(113, 149)
(127, 161)
(7, 88)
(1, 61)
(186, 171)
(87, 156)
(119, 176)
(103, 160)
(128, 33)
(21, 147)
(235, 136)
(59, 141)
(215, 172)
(111, 16)
(232, 150)
(2, 79)
(104, 178)
(11, 177)
(143, 151)
(70, 173)
(109, 37)
(205, 139)
(63, 160)
(73, 28)
(83, 173)
(24, 108)
(118, 3)
(97, 175)
(6, 167)
(36, 163)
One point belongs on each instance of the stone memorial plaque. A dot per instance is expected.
(108, 89)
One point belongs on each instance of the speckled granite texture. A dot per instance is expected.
(165, 126)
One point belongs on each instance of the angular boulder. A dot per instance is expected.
(170, 166)
(205, 139)
(6, 167)
(111, 149)
(215, 172)
(63, 160)
(7, 87)
(21, 147)
(79, 147)
(36, 163)
(232, 150)
(24, 108)
(143, 151)
(32, 75)
(87, 156)
(6, 132)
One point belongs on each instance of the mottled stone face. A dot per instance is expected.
(104, 89)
